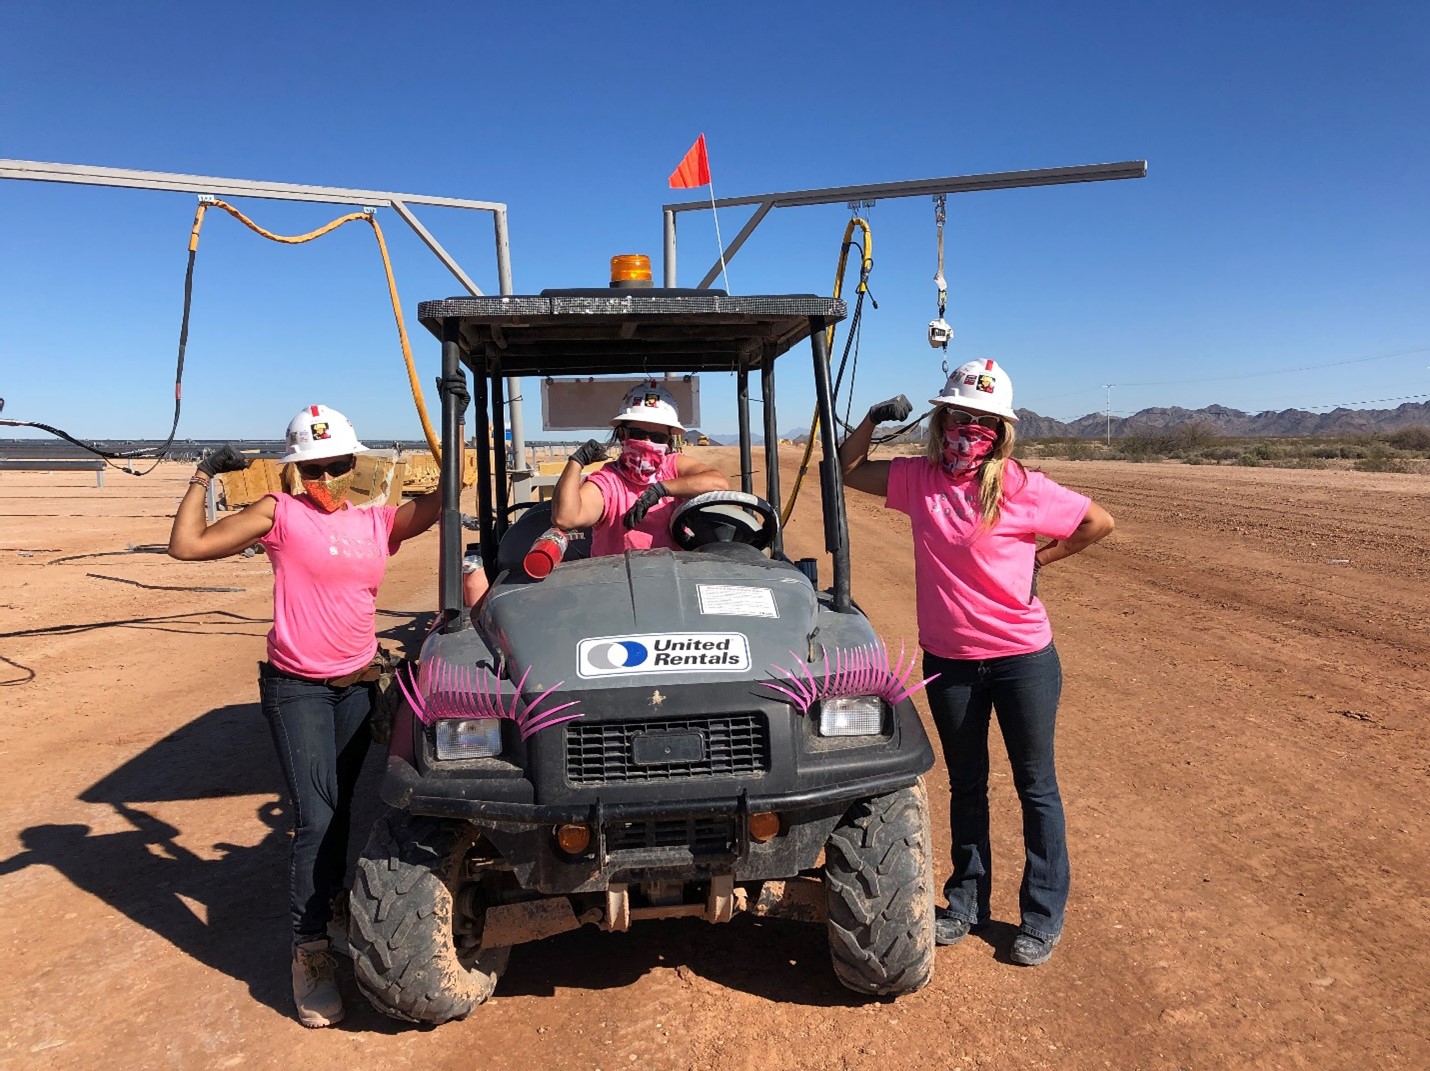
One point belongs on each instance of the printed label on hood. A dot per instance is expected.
(664, 652)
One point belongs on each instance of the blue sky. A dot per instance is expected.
(1283, 225)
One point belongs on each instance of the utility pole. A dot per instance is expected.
(1107, 410)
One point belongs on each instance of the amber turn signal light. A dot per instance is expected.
(764, 825)
(572, 838)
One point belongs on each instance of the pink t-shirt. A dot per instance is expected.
(326, 572)
(609, 535)
(974, 587)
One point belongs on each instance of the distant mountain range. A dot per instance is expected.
(1218, 418)
(1225, 421)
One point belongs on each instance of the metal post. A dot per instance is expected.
(831, 476)
(520, 470)
(747, 477)
(481, 393)
(1107, 411)
(669, 247)
(498, 407)
(99, 476)
(772, 439)
(210, 502)
(449, 568)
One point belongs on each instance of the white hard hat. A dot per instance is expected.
(980, 387)
(318, 433)
(649, 403)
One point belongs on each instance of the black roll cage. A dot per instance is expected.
(622, 332)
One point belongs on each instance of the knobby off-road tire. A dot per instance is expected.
(878, 874)
(400, 924)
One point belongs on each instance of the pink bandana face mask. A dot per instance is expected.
(640, 461)
(965, 446)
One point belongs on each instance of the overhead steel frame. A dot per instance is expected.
(80, 174)
(999, 180)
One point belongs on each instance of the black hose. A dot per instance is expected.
(156, 453)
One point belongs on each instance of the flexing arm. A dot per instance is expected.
(871, 477)
(192, 539)
(1096, 524)
(577, 503)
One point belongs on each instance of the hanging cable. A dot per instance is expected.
(158, 453)
(866, 265)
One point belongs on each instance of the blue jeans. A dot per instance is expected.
(322, 737)
(1023, 691)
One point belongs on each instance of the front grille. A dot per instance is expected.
(602, 752)
(703, 836)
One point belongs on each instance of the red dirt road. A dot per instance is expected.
(1242, 752)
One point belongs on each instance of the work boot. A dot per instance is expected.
(315, 985)
(1029, 951)
(948, 928)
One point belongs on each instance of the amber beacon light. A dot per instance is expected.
(630, 269)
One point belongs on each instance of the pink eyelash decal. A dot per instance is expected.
(467, 692)
(864, 670)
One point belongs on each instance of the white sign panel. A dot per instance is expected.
(728, 600)
(663, 652)
(591, 402)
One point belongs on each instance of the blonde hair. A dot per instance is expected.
(990, 472)
(288, 477)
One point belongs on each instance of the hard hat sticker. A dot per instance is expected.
(968, 381)
(683, 652)
(320, 431)
(985, 384)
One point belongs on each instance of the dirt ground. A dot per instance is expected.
(1243, 755)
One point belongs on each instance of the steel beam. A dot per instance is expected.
(82, 174)
(995, 180)
(441, 254)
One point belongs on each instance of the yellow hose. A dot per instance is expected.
(865, 267)
(433, 442)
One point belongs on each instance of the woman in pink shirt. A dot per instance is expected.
(976, 514)
(628, 503)
(316, 686)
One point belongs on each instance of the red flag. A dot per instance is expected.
(694, 169)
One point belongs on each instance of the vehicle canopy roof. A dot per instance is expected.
(623, 331)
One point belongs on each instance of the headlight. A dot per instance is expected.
(475, 738)
(860, 715)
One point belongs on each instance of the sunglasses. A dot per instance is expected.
(316, 470)
(661, 438)
(960, 417)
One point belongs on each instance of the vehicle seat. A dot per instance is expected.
(527, 529)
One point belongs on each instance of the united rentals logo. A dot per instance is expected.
(667, 652)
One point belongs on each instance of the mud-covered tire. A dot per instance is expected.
(878, 874)
(400, 923)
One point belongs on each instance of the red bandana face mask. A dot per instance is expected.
(640, 461)
(965, 446)
(329, 495)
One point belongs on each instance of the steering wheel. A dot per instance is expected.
(724, 517)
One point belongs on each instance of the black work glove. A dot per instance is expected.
(894, 409)
(456, 386)
(589, 452)
(649, 497)
(225, 459)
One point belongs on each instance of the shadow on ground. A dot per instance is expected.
(240, 924)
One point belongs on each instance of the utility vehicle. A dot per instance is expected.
(699, 732)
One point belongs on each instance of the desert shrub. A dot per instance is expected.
(1414, 440)
(1381, 464)
(1220, 453)
(1249, 459)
